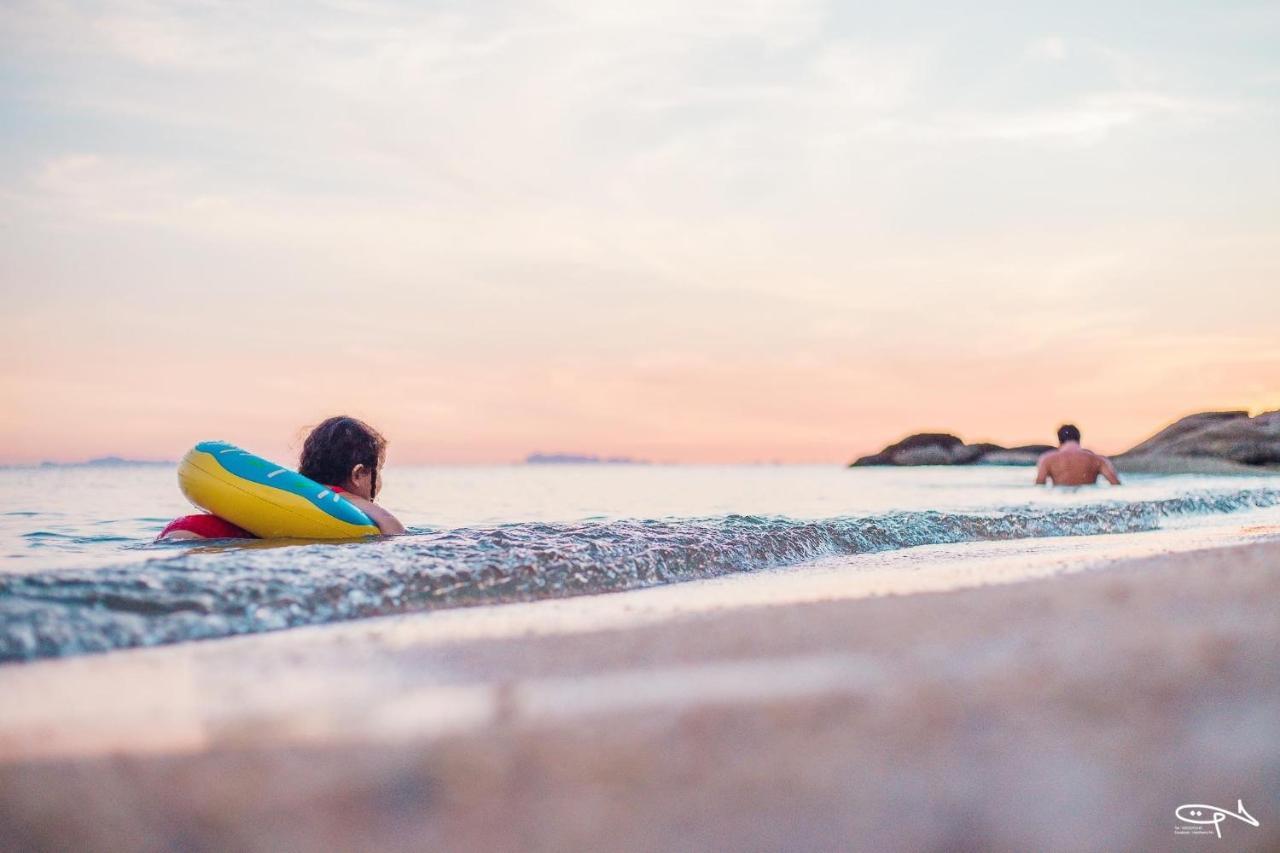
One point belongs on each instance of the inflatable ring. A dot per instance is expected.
(266, 499)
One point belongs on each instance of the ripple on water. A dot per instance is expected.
(210, 589)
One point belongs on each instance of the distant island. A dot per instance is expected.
(580, 459)
(1208, 442)
(106, 462)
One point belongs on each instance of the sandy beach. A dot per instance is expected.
(1069, 713)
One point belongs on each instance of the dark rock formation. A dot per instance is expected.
(1209, 442)
(940, 448)
(1231, 436)
(915, 449)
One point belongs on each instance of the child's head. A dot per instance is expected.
(344, 452)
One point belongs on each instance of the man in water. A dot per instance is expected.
(1072, 465)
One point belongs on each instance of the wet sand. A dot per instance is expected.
(1068, 713)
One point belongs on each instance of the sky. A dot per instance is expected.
(680, 231)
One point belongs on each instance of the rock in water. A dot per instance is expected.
(1208, 442)
(1231, 436)
(925, 448)
(943, 448)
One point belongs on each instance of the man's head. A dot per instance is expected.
(1068, 432)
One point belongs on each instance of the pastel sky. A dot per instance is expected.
(706, 232)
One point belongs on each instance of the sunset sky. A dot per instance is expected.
(699, 232)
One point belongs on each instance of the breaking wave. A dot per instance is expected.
(199, 591)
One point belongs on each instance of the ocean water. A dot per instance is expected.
(79, 571)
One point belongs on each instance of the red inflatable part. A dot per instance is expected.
(207, 526)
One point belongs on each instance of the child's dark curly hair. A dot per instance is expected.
(338, 445)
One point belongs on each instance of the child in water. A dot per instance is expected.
(342, 453)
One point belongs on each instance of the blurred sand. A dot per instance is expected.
(1069, 713)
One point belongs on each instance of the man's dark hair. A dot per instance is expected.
(1068, 432)
(337, 445)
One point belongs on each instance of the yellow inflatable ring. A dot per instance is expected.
(266, 499)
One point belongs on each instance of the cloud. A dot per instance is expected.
(1084, 120)
(1049, 48)
(1090, 119)
(157, 37)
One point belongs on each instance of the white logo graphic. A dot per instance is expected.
(1198, 813)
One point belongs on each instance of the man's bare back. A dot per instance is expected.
(1072, 465)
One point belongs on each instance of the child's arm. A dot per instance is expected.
(387, 523)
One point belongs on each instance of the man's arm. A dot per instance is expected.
(1109, 471)
(1042, 470)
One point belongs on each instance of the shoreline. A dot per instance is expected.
(176, 592)
(996, 716)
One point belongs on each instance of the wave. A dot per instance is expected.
(37, 538)
(190, 592)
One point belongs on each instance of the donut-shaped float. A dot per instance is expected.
(266, 499)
